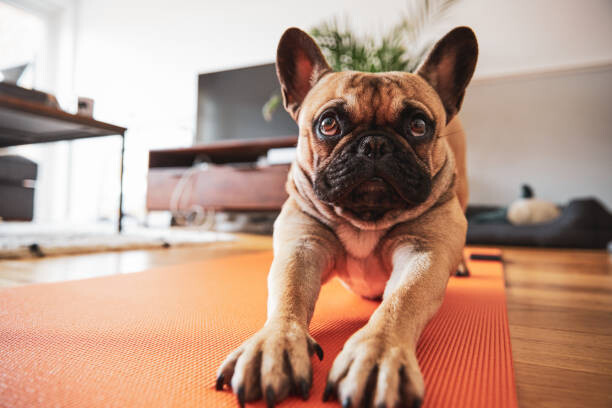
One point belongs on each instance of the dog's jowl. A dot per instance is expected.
(376, 197)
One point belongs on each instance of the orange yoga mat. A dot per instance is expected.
(154, 339)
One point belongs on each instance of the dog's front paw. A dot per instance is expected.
(271, 364)
(374, 370)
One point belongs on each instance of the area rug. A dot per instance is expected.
(154, 339)
(21, 240)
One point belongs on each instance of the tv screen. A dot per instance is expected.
(230, 105)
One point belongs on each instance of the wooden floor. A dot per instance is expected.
(559, 306)
(560, 312)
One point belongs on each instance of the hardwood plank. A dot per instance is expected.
(559, 318)
(546, 387)
(562, 257)
(560, 296)
(562, 350)
(568, 338)
(531, 277)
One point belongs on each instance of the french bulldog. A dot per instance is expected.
(377, 195)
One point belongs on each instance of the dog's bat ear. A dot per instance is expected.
(299, 65)
(450, 66)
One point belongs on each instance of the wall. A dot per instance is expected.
(551, 130)
(523, 36)
(139, 60)
(540, 107)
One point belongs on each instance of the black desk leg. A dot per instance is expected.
(120, 219)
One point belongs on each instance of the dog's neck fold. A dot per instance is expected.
(300, 188)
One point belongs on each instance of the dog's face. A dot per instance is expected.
(370, 142)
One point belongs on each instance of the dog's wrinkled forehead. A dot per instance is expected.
(371, 99)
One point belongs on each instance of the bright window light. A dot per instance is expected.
(21, 42)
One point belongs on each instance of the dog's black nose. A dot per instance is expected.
(374, 146)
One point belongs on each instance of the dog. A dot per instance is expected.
(377, 195)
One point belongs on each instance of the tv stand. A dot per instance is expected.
(220, 176)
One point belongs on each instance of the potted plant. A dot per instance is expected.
(402, 48)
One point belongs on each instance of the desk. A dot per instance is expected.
(23, 122)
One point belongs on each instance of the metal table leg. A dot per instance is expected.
(120, 219)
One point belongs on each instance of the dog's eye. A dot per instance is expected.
(329, 126)
(418, 127)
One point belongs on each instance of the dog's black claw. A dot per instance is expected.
(304, 388)
(417, 403)
(346, 403)
(240, 395)
(329, 388)
(270, 397)
(319, 351)
(220, 382)
(462, 273)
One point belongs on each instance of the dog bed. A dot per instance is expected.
(155, 339)
(583, 223)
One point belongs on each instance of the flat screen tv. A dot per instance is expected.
(230, 105)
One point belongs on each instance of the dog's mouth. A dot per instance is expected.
(370, 193)
(372, 199)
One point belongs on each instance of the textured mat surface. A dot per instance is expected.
(155, 339)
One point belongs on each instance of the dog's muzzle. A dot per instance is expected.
(366, 166)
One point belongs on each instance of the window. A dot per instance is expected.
(21, 46)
